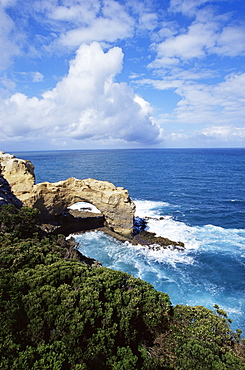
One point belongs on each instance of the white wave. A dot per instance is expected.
(174, 230)
(148, 208)
(207, 237)
(189, 277)
(166, 256)
(216, 238)
(113, 253)
(84, 207)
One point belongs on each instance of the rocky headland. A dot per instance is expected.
(53, 199)
(116, 210)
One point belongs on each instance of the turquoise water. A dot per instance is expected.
(200, 195)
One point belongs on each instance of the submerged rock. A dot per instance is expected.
(156, 242)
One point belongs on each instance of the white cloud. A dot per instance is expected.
(77, 12)
(86, 103)
(220, 106)
(211, 136)
(37, 76)
(222, 103)
(224, 133)
(8, 45)
(102, 29)
(187, 7)
(230, 42)
(85, 21)
(30, 76)
(148, 20)
(188, 45)
(208, 34)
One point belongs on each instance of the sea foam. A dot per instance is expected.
(210, 270)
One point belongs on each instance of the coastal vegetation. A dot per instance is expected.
(60, 310)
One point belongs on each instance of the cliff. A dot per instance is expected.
(52, 199)
(18, 172)
(6, 195)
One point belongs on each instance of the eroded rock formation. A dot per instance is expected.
(6, 195)
(53, 198)
(18, 172)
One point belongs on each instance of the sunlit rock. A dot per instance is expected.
(53, 198)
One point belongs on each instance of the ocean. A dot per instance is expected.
(191, 195)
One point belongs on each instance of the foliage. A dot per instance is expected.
(21, 223)
(62, 314)
(203, 340)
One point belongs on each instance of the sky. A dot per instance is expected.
(101, 74)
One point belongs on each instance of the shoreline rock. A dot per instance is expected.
(52, 199)
(6, 195)
(156, 242)
(71, 251)
(144, 238)
(117, 217)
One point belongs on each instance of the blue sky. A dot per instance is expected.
(84, 74)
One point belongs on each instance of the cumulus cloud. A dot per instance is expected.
(87, 103)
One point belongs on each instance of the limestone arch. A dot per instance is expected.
(113, 202)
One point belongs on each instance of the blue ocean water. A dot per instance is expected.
(192, 195)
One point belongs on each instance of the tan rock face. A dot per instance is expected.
(113, 202)
(6, 195)
(18, 172)
(53, 198)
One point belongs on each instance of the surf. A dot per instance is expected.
(209, 271)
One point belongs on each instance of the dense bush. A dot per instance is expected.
(21, 223)
(73, 314)
(62, 314)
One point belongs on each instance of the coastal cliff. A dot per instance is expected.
(6, 195)
(52, 199)
(18, 172)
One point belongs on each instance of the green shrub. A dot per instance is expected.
(21, 223)
(62, 314)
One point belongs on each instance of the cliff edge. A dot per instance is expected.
(54, 198)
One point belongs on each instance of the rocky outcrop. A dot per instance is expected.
(156, 242)
(18, 172)
(6, 195)
(113, 202)
(54, 198)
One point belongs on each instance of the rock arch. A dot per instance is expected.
(113, 202)
(53, 198)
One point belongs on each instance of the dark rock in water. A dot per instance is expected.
(70, 250)
(139, 225)
(156, 242)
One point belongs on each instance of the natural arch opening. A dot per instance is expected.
(84, 207)
(78, 217)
